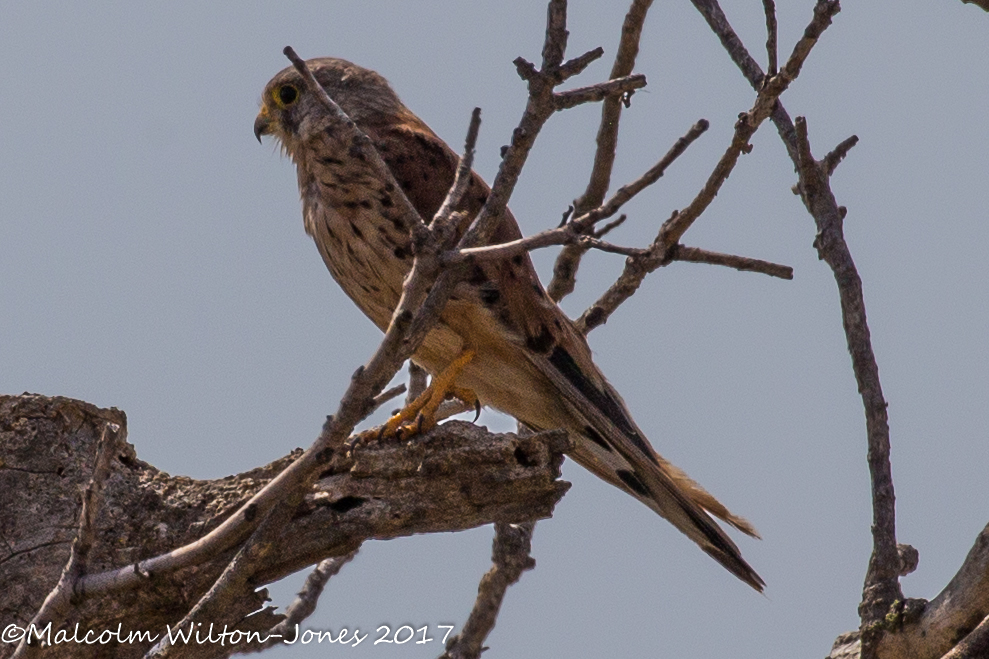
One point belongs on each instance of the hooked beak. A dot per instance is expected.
(262, 125)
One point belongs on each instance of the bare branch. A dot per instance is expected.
(564, 235)
(602, 90)
(824, 11)
(510, 558)
(417, 382)
(570, 256)
(750, 121)
(771, 48)
(882, 586)
(567, 263)
(304, 605)
(555, 44)
(614, 224)
(540, 107)
(833, 159)
(743, 263)
(60, 599)
(571, 233)
(577, 65)
(637, 268)
(955, 619)
(386, 396)
(628, 191)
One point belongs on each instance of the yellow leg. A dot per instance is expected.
(420, 414)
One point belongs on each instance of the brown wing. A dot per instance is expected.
(612, 446)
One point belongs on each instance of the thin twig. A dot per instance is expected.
(602, 90)
(462, 179)
(577, 65)
(510, 558)
(386, 396)
(571, 233)
(219, 604)
(834, 158)
(305, 602)
(749, 122)
(771, 49)
(417, 382)
(607, 228)
(567, 263)
(564, 235)
(698, 255)
(625, 193)
(68, 589)
(304, 605)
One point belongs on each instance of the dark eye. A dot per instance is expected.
(287, 94)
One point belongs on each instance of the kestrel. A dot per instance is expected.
(509, 343)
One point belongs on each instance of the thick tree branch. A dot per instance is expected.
(916, 629)
(974, 646)
(59, 601)
(457, 476)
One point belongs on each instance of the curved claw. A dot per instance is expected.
(420, 414)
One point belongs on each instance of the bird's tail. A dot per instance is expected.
(675, 496)
(614, 449)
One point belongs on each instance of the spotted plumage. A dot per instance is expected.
(530, 361)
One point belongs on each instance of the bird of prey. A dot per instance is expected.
(500, 336)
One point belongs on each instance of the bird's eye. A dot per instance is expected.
(287, 94)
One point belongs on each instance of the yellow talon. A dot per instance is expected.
(420, 414)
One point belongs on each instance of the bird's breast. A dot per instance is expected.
(361, 239)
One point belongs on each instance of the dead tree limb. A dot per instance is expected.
(455, 477)
(510, 558)
(565, 268)
(894, 628)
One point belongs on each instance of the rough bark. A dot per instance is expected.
(455, 477)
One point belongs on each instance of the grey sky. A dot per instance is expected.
(152, 258)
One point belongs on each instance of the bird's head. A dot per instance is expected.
(290, 113)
